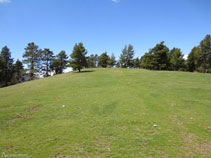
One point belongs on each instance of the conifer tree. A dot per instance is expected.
(47, 60)
(32, 58)
(78, 57)
(103, 60)
(193, 59)
(18, 70)
(112, 60)
(126, 58)
(205, 53)
(176, 60)
(6, 66)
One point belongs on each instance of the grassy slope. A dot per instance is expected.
(110, 113)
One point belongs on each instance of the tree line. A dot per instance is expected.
(161, 58)
(158, 58)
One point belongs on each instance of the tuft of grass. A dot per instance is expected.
(109, 113)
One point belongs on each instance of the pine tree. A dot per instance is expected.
(103, 60)
(32, 58)
(60, 62)
(176, 61)
(78, 57)
(160, 56)
(92, 61)
(126, 58)
(205, 53)
(112, 60)
(136, 63)
(147, 61)
(193, 59)
(156, 58)
(18, 70)
(47, 60)
(1, 71)
(7, 66)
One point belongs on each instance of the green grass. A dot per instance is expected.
(109, 113)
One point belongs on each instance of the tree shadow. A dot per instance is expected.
(85, 71)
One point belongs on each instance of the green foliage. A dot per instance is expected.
(47, 60)
(193, 59)
(92, 61)
(112, 60)
(160, 56)
(32, 58)
(78, 57)
(126, 58)
(205, 53)
(176, 61)
(199, 58)
(60, 62)
(156, 58)
(103, 60)
(18, 71)
(6, 66)
(147, 61)
(136, 63)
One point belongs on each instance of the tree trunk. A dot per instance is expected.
(79, 70)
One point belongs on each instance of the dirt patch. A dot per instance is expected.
(17, 117)
(59, 155)
(25, 115)
(194, 146)
(102, 145)
(35, 108)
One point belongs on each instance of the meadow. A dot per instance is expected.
(108, 113)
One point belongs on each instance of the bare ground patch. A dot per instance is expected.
(59, 155)
(194, 146)
(25, 115)
(35, 108)
(17, 117)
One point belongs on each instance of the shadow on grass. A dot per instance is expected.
(85, 71)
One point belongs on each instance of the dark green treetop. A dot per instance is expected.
(47, 60)
(205, 53)
(176, 60)
(78, 57)
(126, 58)
(6, 66)
(103, 60)
(32, 58)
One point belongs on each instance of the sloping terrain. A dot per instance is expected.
(108, 113)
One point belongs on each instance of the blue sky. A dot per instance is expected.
(103, 25)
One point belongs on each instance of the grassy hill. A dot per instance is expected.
(109, 113)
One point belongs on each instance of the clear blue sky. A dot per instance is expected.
(103, 25)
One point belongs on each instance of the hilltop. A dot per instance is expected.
(108, 113)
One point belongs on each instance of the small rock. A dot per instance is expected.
(155, 125)
(64, 106)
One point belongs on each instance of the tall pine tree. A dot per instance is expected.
(112, 60)
(103, 60)
(126, 58)
(78, 57)
(18, 70)
(176, 61)
(32, 58)
(205, 53)
(7, 66)
(47, 60)
(193, 59)
(92, 60)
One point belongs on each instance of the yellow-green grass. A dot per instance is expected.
(108, 113)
